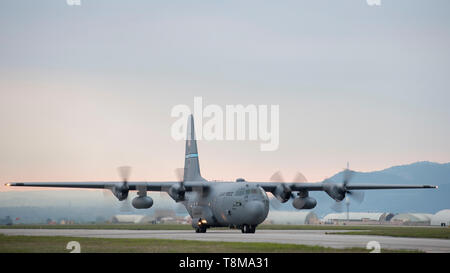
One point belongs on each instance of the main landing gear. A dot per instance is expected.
(248, 228)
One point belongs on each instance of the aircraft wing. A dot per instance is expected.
(151, 186)
(271, 186)
(387, 187)
(320, 186)
(162, 186)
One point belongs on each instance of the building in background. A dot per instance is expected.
(358, 218)
(412, 219)
(441, 218)
(6, 221)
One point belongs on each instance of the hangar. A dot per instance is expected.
(366, 217)
(412, 218)
(441, 218)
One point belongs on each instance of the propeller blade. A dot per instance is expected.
(124, 172)
(274, 203)
(125, 205)
(164, 193)
(179, 172)
(300, 178)
(348, 174)
(338, 206)
(358, 196)
(277, 177)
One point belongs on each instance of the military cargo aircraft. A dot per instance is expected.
(240, 204)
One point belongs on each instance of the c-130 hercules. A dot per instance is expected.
(239, 204)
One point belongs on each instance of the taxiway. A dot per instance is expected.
(305, 237)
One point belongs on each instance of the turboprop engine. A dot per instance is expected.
(283, 192)
(335, 191)
(177, 192)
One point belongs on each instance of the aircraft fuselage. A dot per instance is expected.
(229, 204)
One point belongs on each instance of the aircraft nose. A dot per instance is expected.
(256, 212)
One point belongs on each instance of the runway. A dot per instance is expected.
(305, 237)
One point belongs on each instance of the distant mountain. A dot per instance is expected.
(414, 200)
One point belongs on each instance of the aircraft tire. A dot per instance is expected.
(245, 228)
(200, 230)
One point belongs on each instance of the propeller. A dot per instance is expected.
(167, 191)
(283, 192)
(300, 178)
(338, 206)
(358, 196)
(120, 192)
(274, 203)
(180, 191)
(124, 173)
(340, 191)
(179, 173)
(197, 191)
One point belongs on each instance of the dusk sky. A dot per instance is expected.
(84, 89)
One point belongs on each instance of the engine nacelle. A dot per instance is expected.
(304, 203)
(334, 191)
(177, 192)
(282, 193)
(120, 192)
(142, 202)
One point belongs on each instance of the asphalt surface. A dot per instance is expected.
(305, 237)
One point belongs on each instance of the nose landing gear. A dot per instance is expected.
(201, 226)
(248, 228)
(200, 230)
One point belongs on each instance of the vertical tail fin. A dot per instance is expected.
(191, 165)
